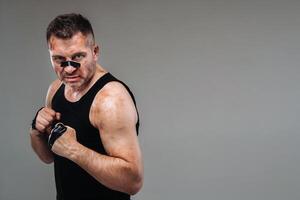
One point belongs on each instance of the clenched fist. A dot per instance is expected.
(64, 145)
(45, 118)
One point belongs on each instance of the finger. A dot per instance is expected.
(42, 124)
(43, 121)
(40, 128)
(50, 112)
(47, 117)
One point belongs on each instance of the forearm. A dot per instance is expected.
(115, 173)
(40, 147)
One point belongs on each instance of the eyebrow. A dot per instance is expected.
(72, 56)
(57, 56)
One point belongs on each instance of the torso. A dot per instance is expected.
(72, 115)
(71, 94)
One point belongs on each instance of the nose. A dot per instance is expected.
(69, 69)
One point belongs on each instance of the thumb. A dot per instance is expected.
(57, 116)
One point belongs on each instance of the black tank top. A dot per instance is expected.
(73, 182)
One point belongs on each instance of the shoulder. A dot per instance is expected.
(113, 103)
(51, 91)
(113, 90)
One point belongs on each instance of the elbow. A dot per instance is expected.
(47, 160)
(136, 183)
(133, 181)
(133, 177)
(135, 187)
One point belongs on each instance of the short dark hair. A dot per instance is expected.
(66, 25)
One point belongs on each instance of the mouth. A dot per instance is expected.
(71, 78)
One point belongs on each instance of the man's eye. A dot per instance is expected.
(58, 59)
(78, 57)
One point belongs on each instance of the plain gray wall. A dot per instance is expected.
(217, 86)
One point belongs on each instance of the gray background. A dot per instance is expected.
(217, 85)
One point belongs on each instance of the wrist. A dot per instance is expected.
(76, 152)
(33, 123)
(36, 133)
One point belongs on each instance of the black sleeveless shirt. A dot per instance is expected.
(73, 182)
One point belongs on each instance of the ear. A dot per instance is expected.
(96, 52)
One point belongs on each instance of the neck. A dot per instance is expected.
(75, 93)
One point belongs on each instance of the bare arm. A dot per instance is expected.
(39, 138)
(115, 116)
(39, 145)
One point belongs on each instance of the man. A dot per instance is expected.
(98, 156)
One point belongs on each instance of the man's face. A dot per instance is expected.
(79, 49)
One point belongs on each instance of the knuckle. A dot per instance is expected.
(40, 127)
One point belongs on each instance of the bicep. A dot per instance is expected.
(116, 120)
(121, 143)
